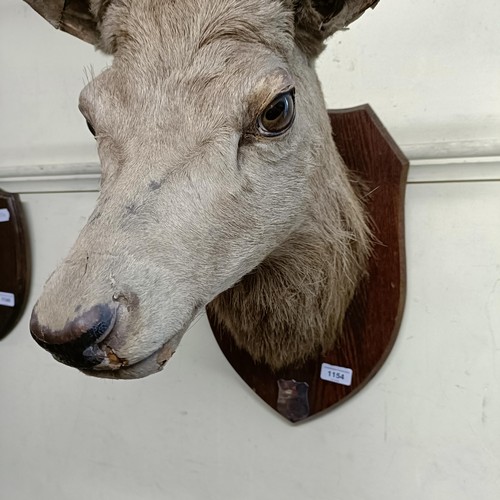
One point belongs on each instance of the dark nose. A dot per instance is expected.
(76, 343)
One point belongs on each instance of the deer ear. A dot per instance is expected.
(316, 20)
(72, 16)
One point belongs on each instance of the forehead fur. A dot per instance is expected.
(174, 30)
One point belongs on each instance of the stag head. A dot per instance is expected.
(211, 130)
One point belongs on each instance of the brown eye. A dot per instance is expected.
(278, 117)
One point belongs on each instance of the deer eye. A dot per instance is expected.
(278, 117)
(91, 128)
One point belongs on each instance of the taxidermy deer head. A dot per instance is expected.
(221, 186)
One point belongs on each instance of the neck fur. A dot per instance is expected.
(293, 304)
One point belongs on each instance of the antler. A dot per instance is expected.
(72, 16)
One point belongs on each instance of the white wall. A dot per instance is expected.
(430, 69)
(426, 428)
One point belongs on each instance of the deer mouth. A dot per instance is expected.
(116, 366)
(102, 342)
(112, 366)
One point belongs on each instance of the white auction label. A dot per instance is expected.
(337, 374)
(4, 215)
(7, 299)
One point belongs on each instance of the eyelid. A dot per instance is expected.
(265, 89)
(85, 112)
(289, 88)
(85, 105)
(91, 129)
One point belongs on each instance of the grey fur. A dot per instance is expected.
(196, 207)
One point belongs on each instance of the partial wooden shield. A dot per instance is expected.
(14, 262)
(373, 319)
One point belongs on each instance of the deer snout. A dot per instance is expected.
(76, 343)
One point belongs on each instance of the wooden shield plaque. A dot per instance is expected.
(373, 319)
(14, 262)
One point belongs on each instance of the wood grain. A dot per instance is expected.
(373, 319)
(15, 269)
